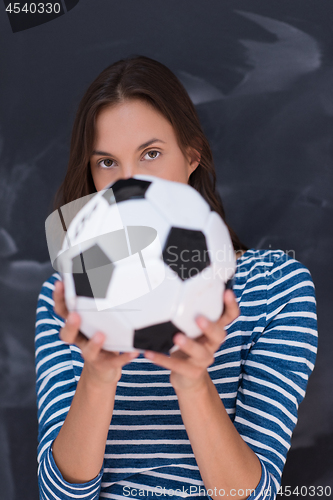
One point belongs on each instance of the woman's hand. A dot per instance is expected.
(189, 364)
(101, 366)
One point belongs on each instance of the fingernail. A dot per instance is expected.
(180, 339)
(203, 323)
(71, 319)
(98, 338)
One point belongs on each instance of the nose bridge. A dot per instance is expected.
(130, 168)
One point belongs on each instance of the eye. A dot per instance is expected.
(152, 154)
(107, 163)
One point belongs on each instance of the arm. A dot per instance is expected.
(228, 466)
(225, 461)
(250, 453)
(74, 418)
(55, 386)
(278, 367)
(79, 447)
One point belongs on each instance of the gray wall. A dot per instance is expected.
(261, 76)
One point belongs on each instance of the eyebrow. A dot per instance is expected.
(144, 145)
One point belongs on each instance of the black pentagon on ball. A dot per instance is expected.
(126, 189)
(156, 337)
(185, 252)
(92, 259)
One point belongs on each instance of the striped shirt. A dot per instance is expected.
(260, 371)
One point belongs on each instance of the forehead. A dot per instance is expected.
(131, 116)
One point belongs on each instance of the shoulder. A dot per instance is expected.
(271, 265)
(45, 299)
(287, 272)
(275, 276)
(271, 279)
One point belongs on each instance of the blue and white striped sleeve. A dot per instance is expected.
(55, 387)
(276, 371)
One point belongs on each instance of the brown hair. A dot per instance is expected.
(139, 77)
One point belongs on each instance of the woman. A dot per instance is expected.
(215, 418)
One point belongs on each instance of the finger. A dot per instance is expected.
(213, 331)
(91, 349)
(94, 346)
(201, 353)
(70, 332)
(60, 307)
(125, 358)
(81, 340)
(174, 364)
(231, 308)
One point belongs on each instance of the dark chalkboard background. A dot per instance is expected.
(261, 76)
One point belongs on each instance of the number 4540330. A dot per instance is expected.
(33, 8)
(304, 491)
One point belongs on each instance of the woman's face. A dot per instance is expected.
(134, 138)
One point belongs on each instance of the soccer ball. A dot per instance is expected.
(142, 259)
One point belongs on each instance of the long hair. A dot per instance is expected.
(139, 77)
